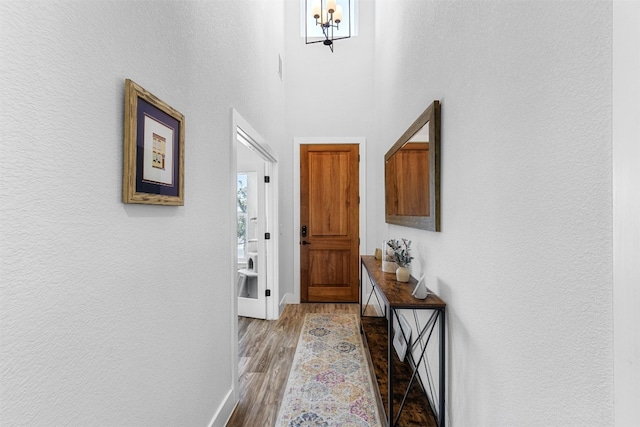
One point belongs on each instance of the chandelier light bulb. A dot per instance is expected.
(331, 6)
(315, 9)
(337, 16)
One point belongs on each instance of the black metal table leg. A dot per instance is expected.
(442, 369)
(390, 367)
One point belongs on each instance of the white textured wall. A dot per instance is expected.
(626, 210)
(524, 259)
(117, 314)
(106, 321)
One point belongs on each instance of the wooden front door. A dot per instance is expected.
(329, 222)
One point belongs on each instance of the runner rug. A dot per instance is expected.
(329, 383)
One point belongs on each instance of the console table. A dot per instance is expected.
(407, 397)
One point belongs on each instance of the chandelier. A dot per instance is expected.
(328, 15)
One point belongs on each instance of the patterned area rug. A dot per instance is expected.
(329, 383)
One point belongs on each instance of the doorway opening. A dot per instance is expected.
(256, 216)
(243, 135)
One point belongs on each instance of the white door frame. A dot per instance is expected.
(242, 129)
(361, 141)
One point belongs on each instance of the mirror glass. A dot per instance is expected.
(412, 175)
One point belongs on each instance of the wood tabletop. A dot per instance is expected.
(398, 294)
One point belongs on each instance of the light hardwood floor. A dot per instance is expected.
(265, 351)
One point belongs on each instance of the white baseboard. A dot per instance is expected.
(288, 298)
(222, 415)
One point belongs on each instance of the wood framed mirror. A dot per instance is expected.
(412, 174)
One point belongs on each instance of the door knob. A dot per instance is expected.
(304, 242)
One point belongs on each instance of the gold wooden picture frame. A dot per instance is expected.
(153, 171)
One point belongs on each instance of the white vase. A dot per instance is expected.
(421, 291)
(402, 274)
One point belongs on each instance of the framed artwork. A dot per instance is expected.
(153, 171)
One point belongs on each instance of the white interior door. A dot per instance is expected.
(252, 226)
